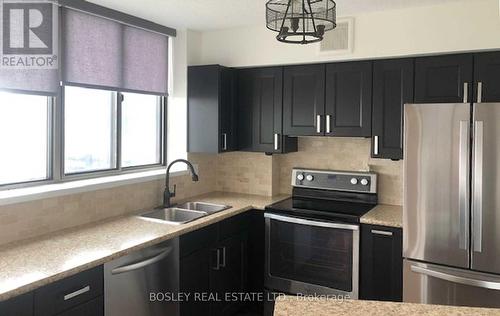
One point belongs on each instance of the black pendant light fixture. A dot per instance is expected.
(300, 21)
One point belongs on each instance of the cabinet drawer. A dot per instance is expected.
(62, 295)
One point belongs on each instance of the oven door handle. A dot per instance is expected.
(301, 221)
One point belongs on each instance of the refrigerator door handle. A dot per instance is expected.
(463, 183)
(477, 199)
(487, 284)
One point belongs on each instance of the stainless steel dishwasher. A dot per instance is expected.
(130, 280)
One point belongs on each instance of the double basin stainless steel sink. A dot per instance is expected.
(184, 213)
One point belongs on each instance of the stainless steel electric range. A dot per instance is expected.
(312, 238)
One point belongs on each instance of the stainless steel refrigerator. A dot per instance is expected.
(452, 204)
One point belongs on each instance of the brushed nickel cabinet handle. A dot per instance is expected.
(328, 124)
(466, 92)
(375, 146)
(77, 293)
(276, 141)
(224, 141)
(381, 232)
(223, 259)
(318, 124)
(217, 262)
(479, 92)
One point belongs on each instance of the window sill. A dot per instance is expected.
(44, 191)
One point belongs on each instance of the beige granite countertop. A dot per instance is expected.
(384, 215)
(29, 264)
(293, 306)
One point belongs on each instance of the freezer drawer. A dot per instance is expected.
(433, 284)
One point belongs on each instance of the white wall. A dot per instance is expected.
(458, 26)
(177, 100)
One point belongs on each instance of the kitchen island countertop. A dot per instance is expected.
(293, 306)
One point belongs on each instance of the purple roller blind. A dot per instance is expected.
(105, 53)
(145, 60)
(91, 50)
(45, 81)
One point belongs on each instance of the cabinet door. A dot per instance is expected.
(230, 276)
(21, 305)
(211, 109)
(94, 307)
(348, 99)
(260, 103)
(443, 79)
(487, 74)
(303, 100)
(203, 109)
(392, 88)
(194, 270)
(228, 111)
(381, 263)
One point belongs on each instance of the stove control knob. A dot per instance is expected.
(300, 177)
(354, 181)
(364, 182)
(310, 177)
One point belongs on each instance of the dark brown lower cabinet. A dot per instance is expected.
(77, 295)
(215, 268)
(21, 305)
(94, 307)
(381, 263)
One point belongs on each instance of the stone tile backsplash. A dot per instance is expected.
(239, 172)
(34, 218)
(351, 154)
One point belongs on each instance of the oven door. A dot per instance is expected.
(311, 257)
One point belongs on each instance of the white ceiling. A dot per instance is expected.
(218, 14)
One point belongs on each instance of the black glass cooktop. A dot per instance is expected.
(350, 211)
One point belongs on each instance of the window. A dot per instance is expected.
(89, 130)
(92, 124)
(77, 121)
(141, 130)
(24, 137)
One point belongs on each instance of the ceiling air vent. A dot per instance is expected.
(340, 40)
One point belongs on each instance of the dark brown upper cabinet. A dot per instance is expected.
(303, 100)
(260, 108)
(392, 88)
(211, 109)
(348, 99)
(487, 77)
(444, 79)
